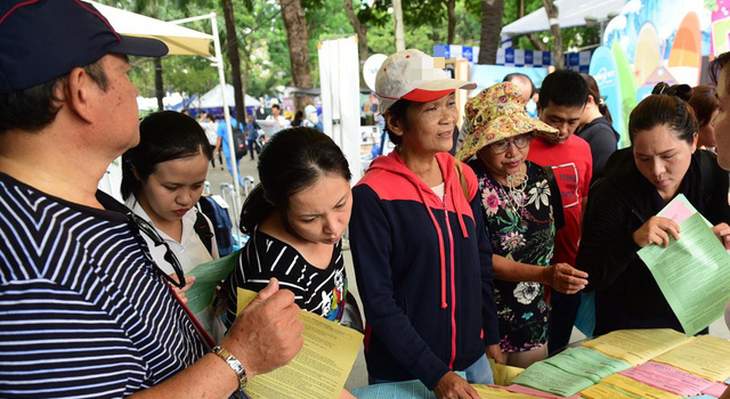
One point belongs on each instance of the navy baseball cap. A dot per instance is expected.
(42, 40)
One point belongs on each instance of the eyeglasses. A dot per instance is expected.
(520, 142)
(146, 228)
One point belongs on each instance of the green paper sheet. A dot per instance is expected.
(548, 378)
(693, 274)
(207, 276)
(587, 363)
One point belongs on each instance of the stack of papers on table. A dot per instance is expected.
(668, 365)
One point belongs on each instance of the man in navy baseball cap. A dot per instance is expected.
(84, 312)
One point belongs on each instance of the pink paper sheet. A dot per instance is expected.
(716, 389)
(668, 378)
(678, 212)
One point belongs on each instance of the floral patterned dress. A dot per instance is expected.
(521, 307)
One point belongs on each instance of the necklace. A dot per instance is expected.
(517, 182)
(515, 198)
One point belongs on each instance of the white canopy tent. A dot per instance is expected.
(214, 99)
(570, 13)
(181, 41)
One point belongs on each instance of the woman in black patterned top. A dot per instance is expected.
(295, 219)
(517, 202)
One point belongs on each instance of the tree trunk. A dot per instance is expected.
(159, 87)
(244, 83)
(361, 31)
(235, 60)
(536, 42)
(400, 42)
(552, 12)
(295, 23)
(450, 6)
(492, 11)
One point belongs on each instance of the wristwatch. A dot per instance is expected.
(234, 364)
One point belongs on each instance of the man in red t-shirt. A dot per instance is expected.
(563, 96)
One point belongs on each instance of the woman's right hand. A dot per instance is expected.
(180, 292)
(451, 386)
(564, 278)
(656, 231)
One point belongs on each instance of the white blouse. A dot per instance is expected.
(190, 251)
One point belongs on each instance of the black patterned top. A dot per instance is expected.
(315, 290)
(520, 226)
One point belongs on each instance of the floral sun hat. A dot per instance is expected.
(495, 114)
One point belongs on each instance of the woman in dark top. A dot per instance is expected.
(662, 162)
(596, 126)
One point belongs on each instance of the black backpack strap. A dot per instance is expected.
(202, 229)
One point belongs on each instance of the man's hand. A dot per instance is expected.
(267, 334)
(565, 278)
(451, 386)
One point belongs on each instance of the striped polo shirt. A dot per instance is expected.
(83, 312)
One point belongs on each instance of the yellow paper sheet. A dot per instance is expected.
(705, 356)
(637, 346)
(503, 374)
(319, 371)
(600, 391)
(636, 388)
(494, 393)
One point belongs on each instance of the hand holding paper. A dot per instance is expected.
(320, 369)
(207, 276)
(267, 334)
(180, 292)
(722, 231)
(693, 274)
(657, 230)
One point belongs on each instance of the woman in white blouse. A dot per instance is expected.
(163, 179)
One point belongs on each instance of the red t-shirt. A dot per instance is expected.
(572, 165)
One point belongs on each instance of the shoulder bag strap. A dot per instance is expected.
(462, 180)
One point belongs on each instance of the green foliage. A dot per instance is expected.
(325, 20)
(263, 44)
(468, 25)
